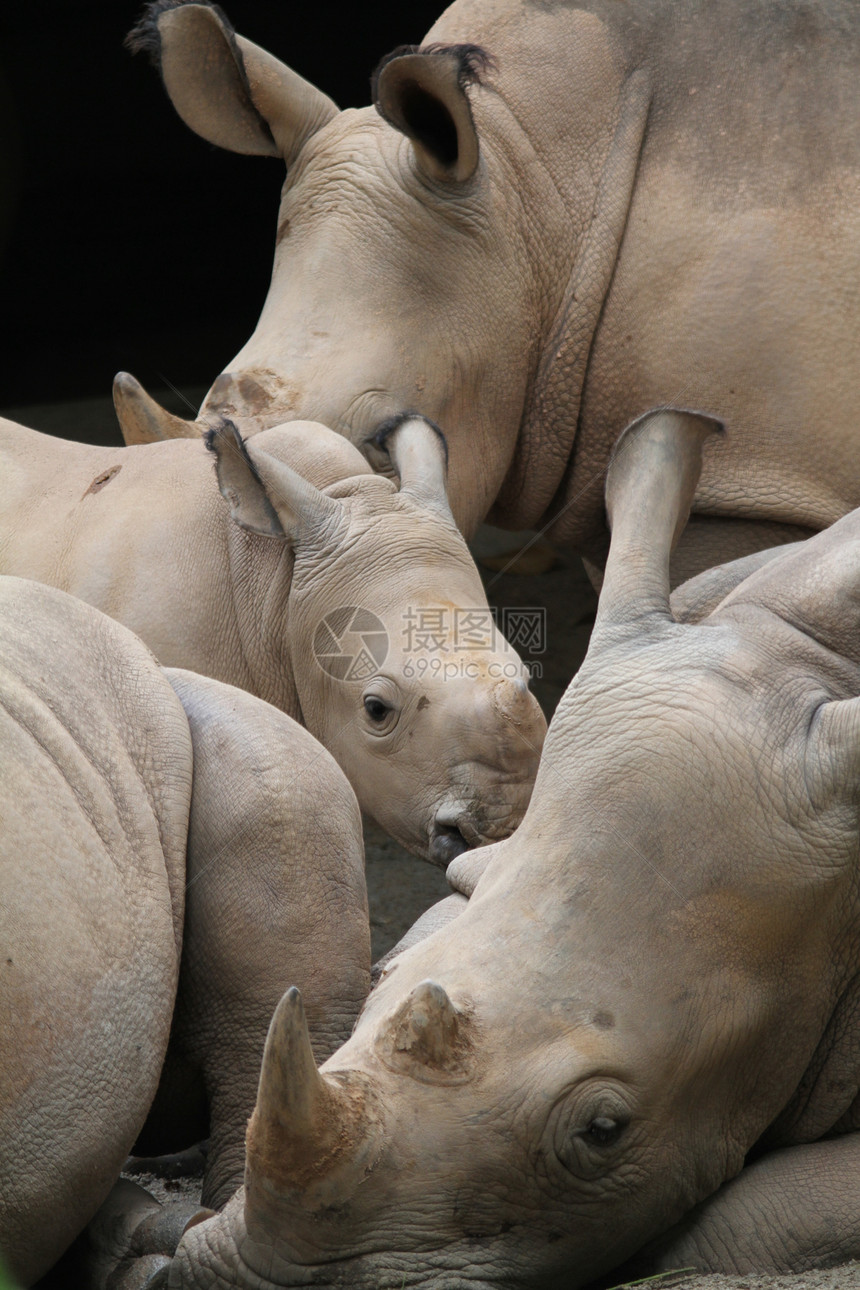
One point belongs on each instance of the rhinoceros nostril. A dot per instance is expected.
(446, 843)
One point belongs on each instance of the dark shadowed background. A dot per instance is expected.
(126, 241)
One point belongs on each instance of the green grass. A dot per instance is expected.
(6, 1282)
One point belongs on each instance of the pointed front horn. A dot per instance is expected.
(141, 419)
(650, 485)
(310, 1139)
(419, 454)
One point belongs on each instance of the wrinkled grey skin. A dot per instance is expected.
(654, 975)
(241, 594)
(648, 203)
(172, 852)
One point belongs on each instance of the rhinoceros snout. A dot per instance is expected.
(446, 842)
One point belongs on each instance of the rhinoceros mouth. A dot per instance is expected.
(446, 843)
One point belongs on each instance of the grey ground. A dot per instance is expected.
(399, 886)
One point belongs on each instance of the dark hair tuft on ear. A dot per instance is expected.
(144, 37)
(473, 62)
(229, 434)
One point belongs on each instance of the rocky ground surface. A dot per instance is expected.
(400, 887)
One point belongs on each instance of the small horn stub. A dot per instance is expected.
(419, 453)
(310, 1138)
(650, 486)
(427, 1038)
(141, 419)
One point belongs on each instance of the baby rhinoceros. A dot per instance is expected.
(656, 974)
(173, 852)
(351, 605)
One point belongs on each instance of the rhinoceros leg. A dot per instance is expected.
(178, 1164)
(132, 1238)
(792, 1210)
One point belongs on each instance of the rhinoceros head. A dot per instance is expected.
(645, 980)
(398, 667)
(399, 282)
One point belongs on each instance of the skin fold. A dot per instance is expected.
(644, 1015)
(439, 736)
(174, 853)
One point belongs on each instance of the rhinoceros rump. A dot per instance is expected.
(440, 740)
(656, 972)
(636, 205)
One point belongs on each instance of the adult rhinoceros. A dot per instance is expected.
(655, 975)
(631, 205)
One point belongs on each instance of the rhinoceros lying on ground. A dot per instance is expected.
(637, 204)
(353, 607)
(655, 975)
(172, 852)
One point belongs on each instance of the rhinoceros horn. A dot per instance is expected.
(650, 486)
(142, 420)
(311, 1138)
(419, 454)
(425, 1037)
(265, 495)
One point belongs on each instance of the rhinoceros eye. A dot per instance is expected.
(382, 705)
(584, 1135)
(603, 1131)
(376, 709)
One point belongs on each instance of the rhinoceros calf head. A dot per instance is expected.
(399, 283)
(642, 974)
(398, 667)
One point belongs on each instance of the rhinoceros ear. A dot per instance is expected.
(419, 454)
(225, 88)
(264, 494)
(650, 485)
(423, 93)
